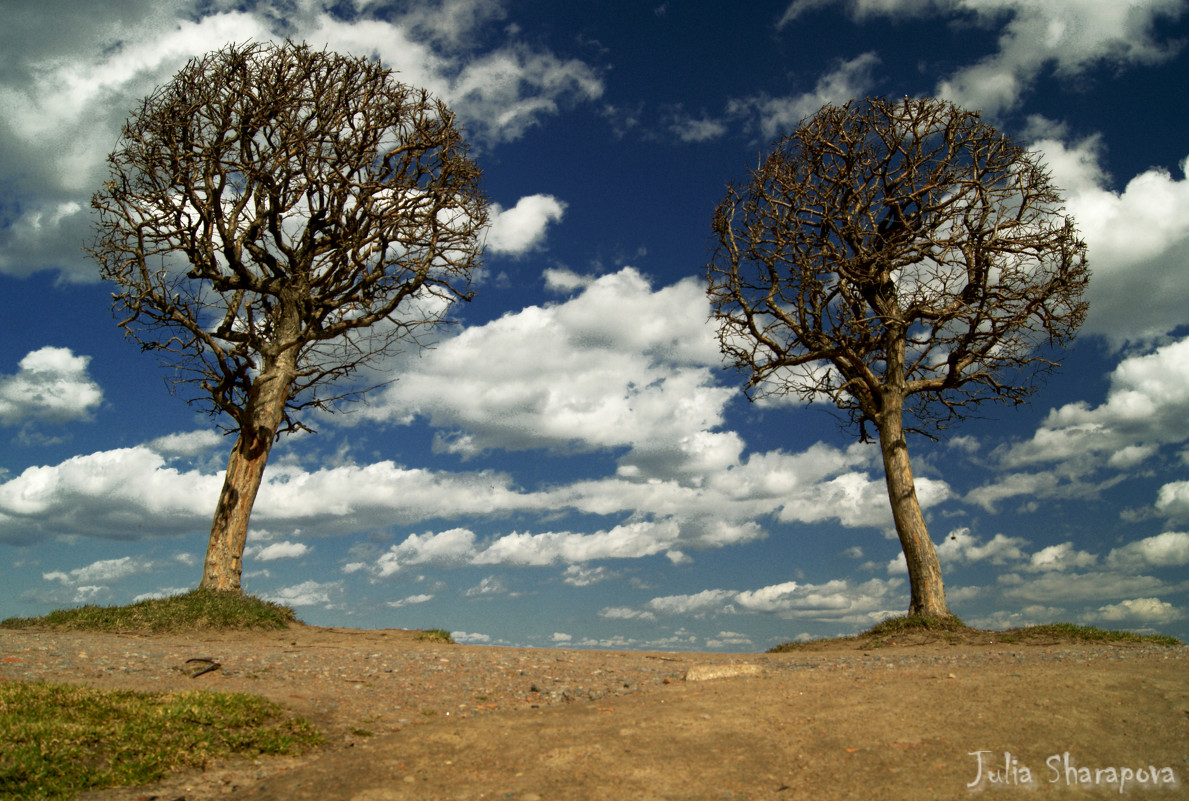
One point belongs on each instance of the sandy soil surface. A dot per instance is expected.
(409, 719)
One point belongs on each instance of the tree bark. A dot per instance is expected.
(927, 590)
(245, 471)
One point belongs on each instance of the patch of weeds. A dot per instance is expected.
(910, 630)
(1072, 632)
(195, 610)
(915, 623)
(429, 713)
(436, 635)
(57, 740)
(363, 732)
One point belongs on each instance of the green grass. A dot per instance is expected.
(915, 623)
(436, 635)
(953, 631)
(196, 610)
(57, 740)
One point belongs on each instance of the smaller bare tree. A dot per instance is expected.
(276, 219)
(897, 259)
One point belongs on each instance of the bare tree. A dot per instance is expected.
(901, 260)
(276, 219)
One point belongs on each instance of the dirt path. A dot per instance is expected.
(414, 720)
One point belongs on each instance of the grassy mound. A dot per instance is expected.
(196, 610)
(57, 740)
(912, 630)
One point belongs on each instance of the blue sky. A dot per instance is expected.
(570, 465)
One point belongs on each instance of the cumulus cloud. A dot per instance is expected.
(625, 613)
(103, 571)
(411, 600)
(1170, 549)
(1062, 587)
(1147, 406)
(517, 230)
(51, 385)
(277, 550)
(133, 493)
(188, 443)
(582, 576)
(127, 493)
(512, 383)
(452, 546)
(1148, 611)
(1154, 266)
(1069, 36)
(307, 593)
(960, 547)
(839, 600)
(1173, 500)
(489, 585)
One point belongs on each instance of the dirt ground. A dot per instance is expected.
(409, 719)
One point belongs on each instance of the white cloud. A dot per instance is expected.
(1150, 611)
(625, 613)
(1069, 35)
(581, 576)
(131, 493)
(839, 600)
(489, 585)
(696, 129)
(1061, 587)
(188, 443)
(561, 637)
(1147, 406)
(470, 638)
(1170, 549)
(277, 550)
(512, 383)
(104, 570)
(628, 541)
(411, 600)
(961, 547)
(780, 115)
(517, 230)
(52, 385)
(729, 639)
(164, 592)
(1060, 557)
(456, 545)
(307, 593)
(126, 493)
(1126, 265)
(1173, 500)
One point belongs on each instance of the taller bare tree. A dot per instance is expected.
(902, 260)
(277, 218)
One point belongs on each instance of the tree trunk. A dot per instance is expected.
(924, 571)
(245, 471)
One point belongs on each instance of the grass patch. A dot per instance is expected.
(913, 630)
(436, 635)
(915, 623)
(1072, 632)
(196, 610)
(57, 740)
